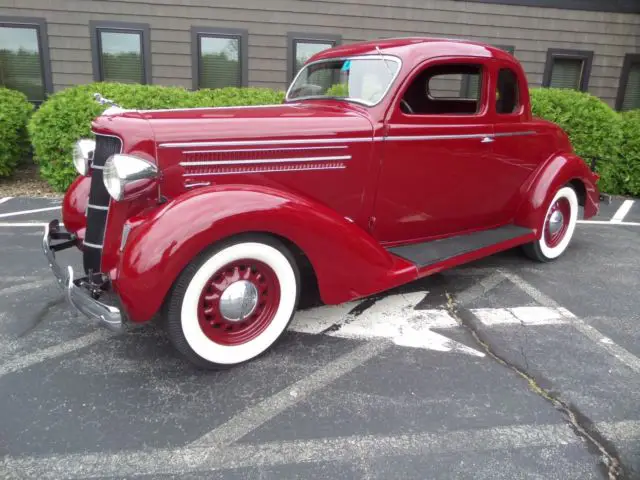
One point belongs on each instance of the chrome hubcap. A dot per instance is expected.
(555, 222)
(238, 301)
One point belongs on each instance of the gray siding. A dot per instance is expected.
(532, 30)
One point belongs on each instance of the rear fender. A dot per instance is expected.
(557, 172)
(347, 261)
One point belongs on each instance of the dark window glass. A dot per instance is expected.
(219, 59)
(121, 56)
(632, 92)
(304, 50)
(507, 94)
(21, 61)
(437, 90)
(566, 73)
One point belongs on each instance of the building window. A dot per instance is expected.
(303, 46)
(219, 57)
(121, 52)
(629, 88)
(567, 69)
(24, 57)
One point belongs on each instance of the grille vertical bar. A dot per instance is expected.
(98, 196)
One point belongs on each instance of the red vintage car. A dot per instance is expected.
(388, 161)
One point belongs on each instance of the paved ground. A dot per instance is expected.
(503, 369)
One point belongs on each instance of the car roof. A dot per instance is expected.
(414, 49)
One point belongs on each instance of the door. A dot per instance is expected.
(519, 146)
(437, 156)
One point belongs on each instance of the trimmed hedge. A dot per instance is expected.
(15, 110)
(66, 116)
(628, 168)
(595, 129)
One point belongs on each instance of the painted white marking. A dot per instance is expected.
(317, 320)
(27, 212)
(23, 224)
(393, 317)
(622, 211)
(347, 449)
(24, 361)
(526, 316)
(24, 287)
(256, 415)
(606, 222)
(5, 199)
(587, 330)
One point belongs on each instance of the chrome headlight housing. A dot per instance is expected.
(127, 174)
(83, 155)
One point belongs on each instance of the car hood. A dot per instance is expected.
(270, 122)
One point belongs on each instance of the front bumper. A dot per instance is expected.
(81, 293)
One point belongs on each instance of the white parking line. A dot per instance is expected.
(525, 316)
(607, 222)
(622, 211)
(356, 448)
(5, 199)
(23, 361)
(587, 330)
(23, 224)
(27, 212)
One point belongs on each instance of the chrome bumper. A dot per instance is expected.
(78, 295)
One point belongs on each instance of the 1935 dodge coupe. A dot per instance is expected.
(388, 161)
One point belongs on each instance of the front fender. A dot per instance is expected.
(558, 171)
(347, 261)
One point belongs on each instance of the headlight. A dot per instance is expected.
(83, 155)
(126, 174)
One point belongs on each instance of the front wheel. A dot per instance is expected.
(559, 225)
(233, 302)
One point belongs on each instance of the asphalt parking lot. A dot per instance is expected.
(502, 369)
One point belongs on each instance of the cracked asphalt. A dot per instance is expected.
(556, 399)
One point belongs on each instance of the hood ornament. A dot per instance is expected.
(104, 101)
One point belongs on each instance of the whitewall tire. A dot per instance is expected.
(233, 302)
(559, 225)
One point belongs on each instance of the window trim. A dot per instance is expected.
(294, 37)
(630, 59)
(40, 24)
(120, 27)
(585, 55)
(242, 34)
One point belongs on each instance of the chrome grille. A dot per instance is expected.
(98, 208)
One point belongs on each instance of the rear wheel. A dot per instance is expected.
(233, 302)
(559, 225)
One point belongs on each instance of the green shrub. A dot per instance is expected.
(66, 116)
(595, 129)
(629, 166)
(15, 110)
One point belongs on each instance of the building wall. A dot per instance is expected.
(531, 30)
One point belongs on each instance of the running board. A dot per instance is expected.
(483, 243)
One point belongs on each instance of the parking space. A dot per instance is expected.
(501, 369)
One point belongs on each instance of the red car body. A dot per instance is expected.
(343, 184)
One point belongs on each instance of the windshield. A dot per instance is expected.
(363, 80)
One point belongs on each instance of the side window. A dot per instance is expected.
(449, 89)
(507, 93)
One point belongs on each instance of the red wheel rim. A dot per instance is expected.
(226, 332)
(557, 222)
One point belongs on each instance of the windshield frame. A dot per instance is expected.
(382, 58)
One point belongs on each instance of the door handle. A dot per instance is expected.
(487, 140)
